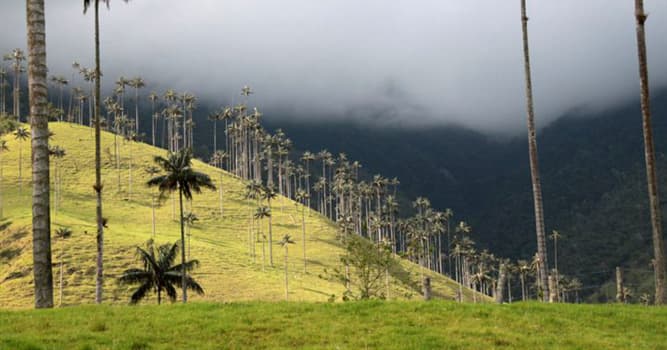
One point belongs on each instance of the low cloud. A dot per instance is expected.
(378, 61)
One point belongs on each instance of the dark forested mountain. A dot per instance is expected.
(592, 171)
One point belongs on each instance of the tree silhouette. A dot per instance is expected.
(159, 274)
(181, 177)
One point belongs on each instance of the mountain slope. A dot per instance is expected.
(593, 177)
(227, 271)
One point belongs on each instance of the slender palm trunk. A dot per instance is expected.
(215, 137)
(38, 90)
(523, 286)
(20, 165)
(649, 155)
(303, 231)
(2, 207)
(183, 283)
(60, 297)
(136, 110)
(270, 235)
(286, 275)
(153, 214)
(534, 167)
(220, 194)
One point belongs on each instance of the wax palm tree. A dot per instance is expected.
(57, 153)
(3, 86)
(269, 193)
(152, 171)
(62, 234)
(190, 219)
(153, 97)
(555, 236)
(181, 177)
(17, 57)
(302, 197)
(307, 158)
(137, 83)
(261, 213)
(3, 149)
(159, 274)
(215, 117)
(39, 123)
(60, 82)
(534, 165)
(99, 280)
(130, 138)
(285, 242)
(21, 134)
(649, 156)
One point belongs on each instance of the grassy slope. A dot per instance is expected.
(374, 325)
(227, 272)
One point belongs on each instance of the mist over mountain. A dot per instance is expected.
(397, 62)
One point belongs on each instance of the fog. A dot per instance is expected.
(384, 62)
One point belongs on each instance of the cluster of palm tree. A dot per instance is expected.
(248, 148)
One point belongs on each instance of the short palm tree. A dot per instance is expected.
(181, 177)
(159, 274)
(285, 242)
(21, 134)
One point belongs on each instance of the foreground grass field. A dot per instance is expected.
(219, 242)
(362, 325)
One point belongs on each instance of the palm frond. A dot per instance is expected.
(140, 293)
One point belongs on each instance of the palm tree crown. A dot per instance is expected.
(180, 175)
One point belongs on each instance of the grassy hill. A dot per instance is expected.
(227, 272)
(363, 325)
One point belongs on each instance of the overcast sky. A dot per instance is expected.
(419, 61)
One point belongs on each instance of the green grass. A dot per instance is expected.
(359, 325)
(227, 272)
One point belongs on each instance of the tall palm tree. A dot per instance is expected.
(307, 158)
(285, 242)
(523, 267)
(261, 213)
(159, 274)
(532, 150)
(56, 152)
(153, 97)
(215, 117)
(190, 219)
(21, 134)
(302, 197)
(181, 177)
(152, 171)
(269, 193)
(39, 123)
(17, 57)
(555, 236)
(137, 83)
(62, 234)
(3, 149)
(99, 275)
(649, 156)
(3, 85)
